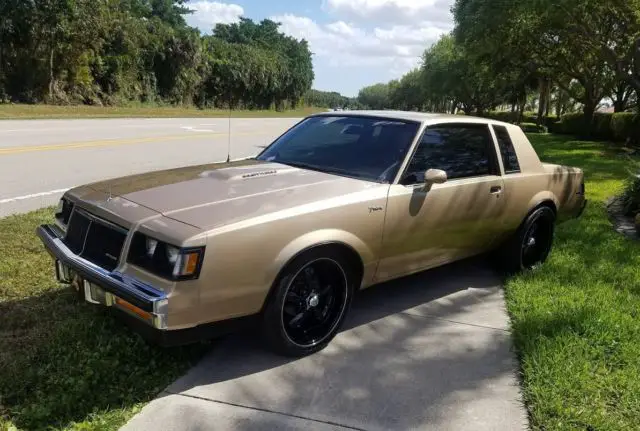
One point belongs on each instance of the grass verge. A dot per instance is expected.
(63, 363)
(576, 319)
(14, 112)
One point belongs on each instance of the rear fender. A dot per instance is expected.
(540, 197)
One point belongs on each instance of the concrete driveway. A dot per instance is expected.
(431, 352)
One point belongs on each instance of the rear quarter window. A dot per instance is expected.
(507, 151)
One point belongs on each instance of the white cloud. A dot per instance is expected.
(435, 12)
(344, 44)
(207, 14)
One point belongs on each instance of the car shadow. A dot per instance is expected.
(72, 359)
(410, 352)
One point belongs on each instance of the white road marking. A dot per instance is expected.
(32, 196)
(193, 129)
(53, 192)
(69, 129)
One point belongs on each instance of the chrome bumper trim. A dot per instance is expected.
(140, 294)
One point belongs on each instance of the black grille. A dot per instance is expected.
(77, 232)
(95, 240)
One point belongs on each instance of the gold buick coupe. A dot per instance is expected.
(283, 240)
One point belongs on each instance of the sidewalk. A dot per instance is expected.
(429, 352)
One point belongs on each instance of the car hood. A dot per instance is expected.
(214, 195)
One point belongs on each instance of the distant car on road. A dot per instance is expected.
(282, 241)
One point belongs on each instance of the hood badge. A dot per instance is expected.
(259, 174)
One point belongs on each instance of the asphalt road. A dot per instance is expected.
(40, 159)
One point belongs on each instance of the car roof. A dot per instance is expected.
(422, 117)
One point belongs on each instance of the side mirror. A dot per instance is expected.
(435, 176)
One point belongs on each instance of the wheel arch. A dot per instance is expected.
(542, 199)
(354, 249)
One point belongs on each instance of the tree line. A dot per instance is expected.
(112, 52)
(555, 55)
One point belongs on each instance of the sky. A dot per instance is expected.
(355, 43)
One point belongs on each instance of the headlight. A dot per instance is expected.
(151, 247)
(172, 254)
(165, 260)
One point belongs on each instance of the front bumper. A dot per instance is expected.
(141, 306)
(99, 286)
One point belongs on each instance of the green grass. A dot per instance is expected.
(576, 325)
(576, 320)
(13, 112)
(64, 363)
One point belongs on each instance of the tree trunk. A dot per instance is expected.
(548, 107)
(454, 107)
(589, 111)
(621, 99)
(51, 75)
(542, 103)
(523, 102)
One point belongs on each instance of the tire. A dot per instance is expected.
(531, 244)
(301, 315)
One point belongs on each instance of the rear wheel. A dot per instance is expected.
(531, 244)
(309, 303)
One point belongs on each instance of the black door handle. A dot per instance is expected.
(495, 189)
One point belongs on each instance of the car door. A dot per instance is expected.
(434, 225)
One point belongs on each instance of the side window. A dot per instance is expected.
(508, 153)
(461, 150)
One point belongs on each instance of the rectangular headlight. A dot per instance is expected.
(165, 260)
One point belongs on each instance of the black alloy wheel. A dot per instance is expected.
(315, 300)
(531, 244)
(536, 243)
(309, 302)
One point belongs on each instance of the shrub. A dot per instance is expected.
(631, 194)
(505, 116)
(618, 127)
(527, 117)
(625, 126)
(601, 127)
(533, 128)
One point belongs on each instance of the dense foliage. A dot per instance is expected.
(552, 56)
(330, 99)
(119, 51)
(618, 127)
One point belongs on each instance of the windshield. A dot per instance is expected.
(358, 147)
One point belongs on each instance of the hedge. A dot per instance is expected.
(533, 128)
(618, 127)
(528, 117)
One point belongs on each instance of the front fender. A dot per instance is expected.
(320, 237)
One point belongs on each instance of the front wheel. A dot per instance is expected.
(531, 244)
(309, 303)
